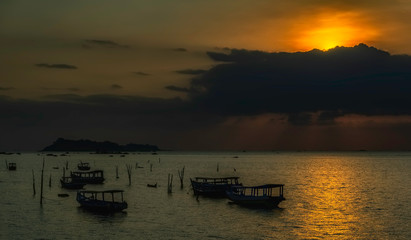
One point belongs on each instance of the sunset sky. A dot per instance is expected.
(207, 75)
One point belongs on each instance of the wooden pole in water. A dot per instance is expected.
(151, 167)
(181, 176)
(34, 183)
(50, 181)
(41, 188)
(128, 166)
(116, 171)
(170, 183)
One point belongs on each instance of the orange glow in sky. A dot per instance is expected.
(328, 30)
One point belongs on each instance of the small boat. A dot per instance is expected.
(102, 201)
(215, 187)
(93, 177)
(83, 166)
(67, 182)
(152, 185)
(12, 166)
(257, 196)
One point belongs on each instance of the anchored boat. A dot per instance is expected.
(268, 196)
(93, 177)
(12, 166)
(83, 166)
(67, 182)
(215, 187)
(102, 201)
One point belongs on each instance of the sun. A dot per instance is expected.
(328, 37)
(330, 29)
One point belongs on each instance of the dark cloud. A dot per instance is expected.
(89, 43)
(358, 80)
(116, 87)
(300, 118)
(74, 89)
(180, 50)
(178, 89)
(6, 88)
(191, 71)
(58, 65)
(141, 73)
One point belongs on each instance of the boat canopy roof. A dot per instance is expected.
(105, 191)
(261, 186)
(95, 171)
(215, 178)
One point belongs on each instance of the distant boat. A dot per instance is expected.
(215, 187)
(257, 196)
(102, 201)
(12, 166)
(93, 177)
(152, 185)
(83, 166)
(68, 183)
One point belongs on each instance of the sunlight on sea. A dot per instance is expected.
(329, 195)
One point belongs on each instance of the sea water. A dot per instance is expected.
(329, 195)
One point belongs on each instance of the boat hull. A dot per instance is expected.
(210, 189)
(252, 201)
(100, 205)
(72, 185)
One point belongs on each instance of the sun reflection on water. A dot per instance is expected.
(330, 207)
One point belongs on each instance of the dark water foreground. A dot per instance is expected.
(358, 195)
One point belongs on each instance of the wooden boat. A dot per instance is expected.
(83, 166)
(67, 182)
(152, 185)
(267, 196)
(93, 177)
(102, 201)
(12, 166)
(215, 187)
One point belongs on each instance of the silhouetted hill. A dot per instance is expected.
(67, 145)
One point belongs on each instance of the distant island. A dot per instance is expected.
(84, 145)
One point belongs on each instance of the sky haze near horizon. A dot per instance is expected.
(207, 75)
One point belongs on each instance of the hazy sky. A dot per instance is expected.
(169, 73)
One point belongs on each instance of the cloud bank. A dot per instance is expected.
(358, 80)
(249, 99)
(57, 65)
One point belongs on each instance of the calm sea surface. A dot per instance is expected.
(329, 195)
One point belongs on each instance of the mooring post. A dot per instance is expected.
(34, 183)
(181, 176)
(41, 187)
(128, 166)
(170, 183)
